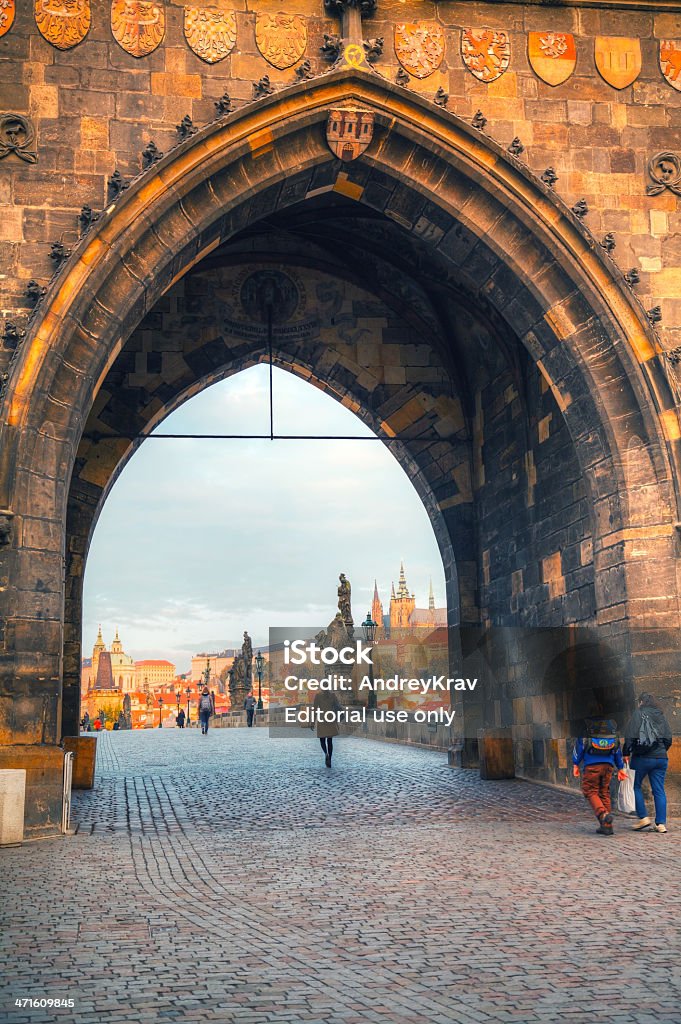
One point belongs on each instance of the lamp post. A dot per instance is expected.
(369, 630)
(160, 712)
(188, 692)
(178, 697)
(259, 666)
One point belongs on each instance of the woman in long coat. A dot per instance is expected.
(325, 701)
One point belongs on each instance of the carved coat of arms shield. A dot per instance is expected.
(486, 52)
(618, 60)
(138, 26)
(552, 55)
(281, 38)
(6, 15)
(670, 61)
(64, 23)
(211, 34)
(420, 47)
(349, 132)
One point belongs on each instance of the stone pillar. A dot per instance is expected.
(496, 754)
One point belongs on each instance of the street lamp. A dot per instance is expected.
(369, 630)
(188, 692)
(178, 697)
(259, 666)
(160, 711)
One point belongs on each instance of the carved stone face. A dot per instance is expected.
(666, 170)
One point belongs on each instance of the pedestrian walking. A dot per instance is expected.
(250, 705)
(327, 705)
(647, 738)
(179, 718)
(600, 752)
(206, 709)
(85, 722)
(97, 725)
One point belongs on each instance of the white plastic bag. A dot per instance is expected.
(625, 794)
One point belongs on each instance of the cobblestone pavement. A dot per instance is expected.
(233, 878)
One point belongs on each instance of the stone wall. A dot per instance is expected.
(95, 108)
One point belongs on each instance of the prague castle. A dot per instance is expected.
(404, 616)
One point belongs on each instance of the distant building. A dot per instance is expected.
(154, 673)
(404, 616)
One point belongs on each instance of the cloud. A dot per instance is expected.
(201, 539)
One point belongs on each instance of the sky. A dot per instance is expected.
(202, 539)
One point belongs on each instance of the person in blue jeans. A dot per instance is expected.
(647, 738)
(206, 709)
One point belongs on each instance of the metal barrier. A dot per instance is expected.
(66, 797)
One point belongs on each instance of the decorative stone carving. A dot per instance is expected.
(373, 48)
(485, 52)
(618, 60)
(211, 34)
(349, 132)
(64, 23)
(665, 171)
(12, 334)
(34, 292)
(549, 177)
(609, 243)
(516, 147)
(479, 120)
(366, 7)
(58, 253)
(115, 186)
(304, 71)
(6, 16)
(632, 277)
(419, 47)
(281, 38)
(86, 218)
(441, 97)
(581, 208)
(185, 128)
(654, 315)
(151, 155)
(138, 26)
(223, 105)
(670, 61)
(330, 48)
(263, 87)
(17, 135)
(6, 517)
(402, 78)
(552, 55)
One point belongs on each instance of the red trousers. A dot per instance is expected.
(596, 787)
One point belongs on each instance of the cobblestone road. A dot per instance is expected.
(234, 878)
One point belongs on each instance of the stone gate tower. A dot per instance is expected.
(458, 218)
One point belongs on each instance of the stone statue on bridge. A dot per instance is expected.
(344, 604)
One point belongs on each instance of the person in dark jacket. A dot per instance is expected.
(600, 752)
(179, 718)
(206, 709)
(250, 704)
(649, 758)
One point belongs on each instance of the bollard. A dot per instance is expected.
(12, 801)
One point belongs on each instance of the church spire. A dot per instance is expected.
(402, 589)
(431, 597)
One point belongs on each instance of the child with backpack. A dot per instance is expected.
(600, 752)
(647, 738)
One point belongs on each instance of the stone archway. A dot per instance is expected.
(483, 235)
